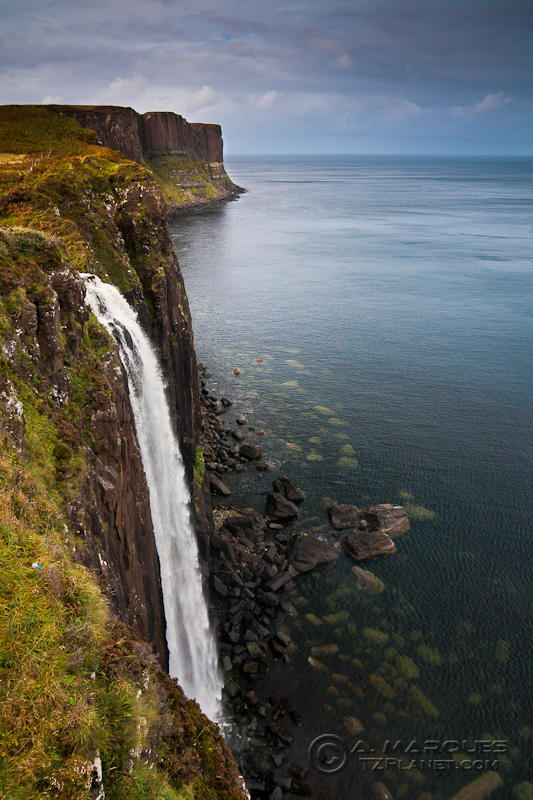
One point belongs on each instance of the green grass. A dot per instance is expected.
(199, 466)
(182, 179)
(36, 129)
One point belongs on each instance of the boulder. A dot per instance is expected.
(220, 586)
(367, 544)
(278, 507)
(251, 452)
(234, 524)
(386, 518)
(218, 486)
(343, 515)
(281, 579)
(226, 402)
(308, 552)
(289, 489)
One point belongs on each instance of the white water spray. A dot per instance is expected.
(191, 645)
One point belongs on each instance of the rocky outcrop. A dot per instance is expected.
(279, 508)
(308, 552)
(363, 545)
(187, 158)
(385, 517)
(343, 515)
(289, 489)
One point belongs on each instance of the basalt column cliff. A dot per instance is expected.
(186, 158)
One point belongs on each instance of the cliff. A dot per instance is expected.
(186, 158)
(70, 469)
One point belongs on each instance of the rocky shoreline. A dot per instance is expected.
(255, 561)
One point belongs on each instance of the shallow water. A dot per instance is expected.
(391, 302)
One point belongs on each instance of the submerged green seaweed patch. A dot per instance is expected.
(420, 513)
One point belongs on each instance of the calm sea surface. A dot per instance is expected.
(391, 303)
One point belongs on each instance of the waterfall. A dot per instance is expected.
(191, 645)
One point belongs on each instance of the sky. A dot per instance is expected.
(308, 77)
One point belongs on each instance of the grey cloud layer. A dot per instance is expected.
(397, 70)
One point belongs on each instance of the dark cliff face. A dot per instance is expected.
(210, 144)
(164, 293)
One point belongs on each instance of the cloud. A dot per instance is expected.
(490, 102)
(268, 98)
(120, 88)
(202, 98)
(406, 68)
(51, 99)
(343, 61)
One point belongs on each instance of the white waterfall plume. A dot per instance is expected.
(191, 644)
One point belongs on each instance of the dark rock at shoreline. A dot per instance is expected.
(308, 552)
(251, 452)
(262, 466)
(279, 508)
(218, 486)
(220, 586)
(343, 515)
(238, 523)
(288, 489)
(385, 517)
(276, 583)
(226, 402)
(280, 732)
(367, 544)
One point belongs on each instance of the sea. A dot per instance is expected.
(380, 311)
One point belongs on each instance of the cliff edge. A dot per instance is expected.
(186, 158)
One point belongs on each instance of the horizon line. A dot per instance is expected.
(380, 155)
